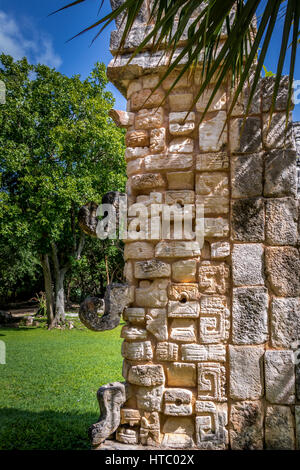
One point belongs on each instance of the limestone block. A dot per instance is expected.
(281, 102)
(297, 419)
(280, 377)
(211, 422)
(214, 319)
(135, 315)
(138, 250)
(281, 173)
(213, 277)
(181, 180)
(213, 205)
(134, 166)
(152, 294)
(138, 351)
(246, 372)
(285, 321)
(181, 375)
(122, 118)
(149, 398)
(125, 369)
(149, 118)
(183, 331)
(177, 249)
(184, 270)
(180, 101)
(200, 352)
(246, 432)
(178, 433)
(275, 134)
(212, 184)
(247, 175)
(127, 435)
(167, 352)
(172, 395)
(240, 108)
(219, 101)
(135, 152)
(248, 264)
(137, 139)
(180, 197)
(281, 221)
(146, 99)
(133, 87)
(212, 161)
(183, 310)
(282, 264)
(157, 140)
(151, 268)
(168, 162)
(150, 429)
(181, 145)
(279, 428)
(184, 293)
(128, 272)
(211, 381)
(178, 402)
(245, 139)
(150, 81)
(220, 250)
(216, 227)
(212, 137)
(133, 333)
(146, 375)
(248, 220)
(250, 315)
(157, 323)
(130, 416)
(147, 181)
(184, 81)
(181, 123)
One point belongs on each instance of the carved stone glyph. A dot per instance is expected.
(211, 381)
(156, 323)
(211, 421)
(178, 402)
(214, 319)
(213, 277)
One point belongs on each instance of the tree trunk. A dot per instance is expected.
(48, 288)
(60, 297)
(60, 274)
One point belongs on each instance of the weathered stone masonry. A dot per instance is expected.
(208, 343)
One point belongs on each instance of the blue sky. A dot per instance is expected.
(26, 29)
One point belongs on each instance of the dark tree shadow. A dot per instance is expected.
(46, 430)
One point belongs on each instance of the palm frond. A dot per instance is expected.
(235, 56)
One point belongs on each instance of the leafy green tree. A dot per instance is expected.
(58, 150)
(100, 264)
(243, 48)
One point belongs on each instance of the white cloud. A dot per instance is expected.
(36, 46)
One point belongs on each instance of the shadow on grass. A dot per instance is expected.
(45, 430)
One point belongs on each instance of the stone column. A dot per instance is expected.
(206, 323)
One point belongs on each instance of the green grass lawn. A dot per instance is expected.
(49, 383)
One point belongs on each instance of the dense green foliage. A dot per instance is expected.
(58, 150)
(48, 386)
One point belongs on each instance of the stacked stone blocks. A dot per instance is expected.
(210, 339)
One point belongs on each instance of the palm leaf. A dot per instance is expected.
(235, 57)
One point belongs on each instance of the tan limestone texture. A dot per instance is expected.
(210, 337)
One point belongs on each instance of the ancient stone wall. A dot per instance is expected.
(210, 337)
